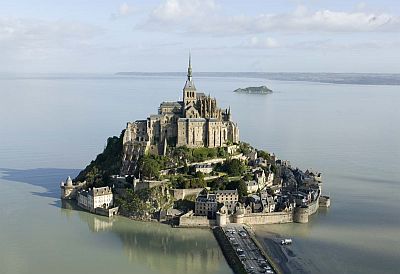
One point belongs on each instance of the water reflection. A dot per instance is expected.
(152, 246)
(159, 247)
(177, 249)
(95, 223)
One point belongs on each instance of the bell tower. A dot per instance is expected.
(189, 90)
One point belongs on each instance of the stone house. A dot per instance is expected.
(203, 168)
(91, 199)
(228, 197)
(251, 186)
(206, 205)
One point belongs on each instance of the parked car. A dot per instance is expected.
(286, 242)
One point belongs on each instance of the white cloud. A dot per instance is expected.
(330, 45)
(39, 30)
(123, 10)
(262, 43)
(126, 9)
(177, 10)
(327, 20)
(36, 39)
(203, 17)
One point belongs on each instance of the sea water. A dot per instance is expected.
(53, 126)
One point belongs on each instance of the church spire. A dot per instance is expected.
(189, 75)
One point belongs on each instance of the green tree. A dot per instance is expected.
(200, 175)
(211, 153)
(109, 162)
(248, 177)
(219, 183)
(244, 148)
(240, 186)
(177, 181)
(150, 167)
(234, 167)
(182, 154)
(185, 169)
(221, 152)
(242, 189)
(263, 154)
(197, 183)
(186, 184)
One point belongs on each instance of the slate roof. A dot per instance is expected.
(170, 104)
(189, 85)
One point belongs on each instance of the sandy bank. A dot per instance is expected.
(287, 257)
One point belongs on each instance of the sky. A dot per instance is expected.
(54, 36)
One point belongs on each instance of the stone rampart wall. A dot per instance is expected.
(180, 194)
(107, 212)
(268, 218)
(190, 220)
(324, 201)
(313, 207)
(148, 184)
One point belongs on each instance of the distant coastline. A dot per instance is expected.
(391, 79)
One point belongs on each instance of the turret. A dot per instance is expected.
(239, 214)
(221, 216)
(69, 181)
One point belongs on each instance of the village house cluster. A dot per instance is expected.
(269, 200)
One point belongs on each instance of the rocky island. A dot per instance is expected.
(186, 166)
(254, 90)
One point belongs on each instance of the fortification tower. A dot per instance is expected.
(300, 214)
(222, 216)
(238, 216)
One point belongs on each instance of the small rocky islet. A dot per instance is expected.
(254, 90)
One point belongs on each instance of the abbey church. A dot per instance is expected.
(194, 122)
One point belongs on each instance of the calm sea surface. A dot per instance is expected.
(52, 127)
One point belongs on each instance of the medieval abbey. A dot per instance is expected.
(194, 122)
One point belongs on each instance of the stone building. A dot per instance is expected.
(196, 121)
(228, 197)
(94, 198)
(203, 168)
(206, 205)
(261, 180)
(252, 186)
